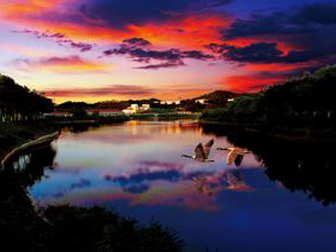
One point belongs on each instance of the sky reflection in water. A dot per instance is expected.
(137, 169)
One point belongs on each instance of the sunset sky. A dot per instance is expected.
(94, 50)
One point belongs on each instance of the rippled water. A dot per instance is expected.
(136, 168)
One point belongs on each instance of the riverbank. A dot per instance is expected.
(14, 135)
(284, 133)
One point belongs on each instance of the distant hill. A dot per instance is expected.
(218, 96)
(73, 105)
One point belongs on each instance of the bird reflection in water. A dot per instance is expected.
(235, 155)
(202, 152)
(212, 185)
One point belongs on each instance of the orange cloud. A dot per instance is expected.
(270, 67)
(190, 30)
(17, 8)
(278, 67)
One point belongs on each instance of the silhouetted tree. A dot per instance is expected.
(18, 103)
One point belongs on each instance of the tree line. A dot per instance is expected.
(305, 101)
(18, 103)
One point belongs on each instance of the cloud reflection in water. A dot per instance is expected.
(109, 169)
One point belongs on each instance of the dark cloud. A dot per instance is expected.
(262, 53)
(143, 55)
(260, 25)
(318, 13)
(166, 58)
(120, 13)
(304, 20)
(198, 55)
(311, 28)
(266, 53)
(216, 48)
(59, 38)
(137, 42)
(254, 53)
(162, 65)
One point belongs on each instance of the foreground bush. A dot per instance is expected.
(70, 228)
(97, 229)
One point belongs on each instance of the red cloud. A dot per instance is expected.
(182, 31)
(248, 83)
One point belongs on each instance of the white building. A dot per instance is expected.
(129, 111)
(135, 107)
(201, 101)
(145, 107)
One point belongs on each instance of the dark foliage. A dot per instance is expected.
(97, 229)
(69, 105)
(298, 166)
(304, 102)
(18, 103)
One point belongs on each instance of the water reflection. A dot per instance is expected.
(212, 185)
(136, 167)
(307, 167)
(112, 162)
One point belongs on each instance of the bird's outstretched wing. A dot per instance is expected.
(238, 160)
(207, 148)
(231, 156)
(199, 152)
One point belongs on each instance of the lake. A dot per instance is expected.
(274, 197)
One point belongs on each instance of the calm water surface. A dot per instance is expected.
(136, 168)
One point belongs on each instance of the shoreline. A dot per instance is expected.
(14, 135)
(31, 145)
(302, 135)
